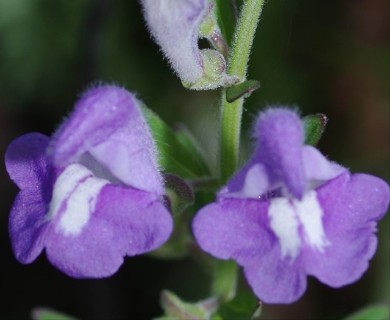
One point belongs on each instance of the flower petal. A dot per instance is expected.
(317, 167)
(240, 230)
(126, 222)
(352, 205)
(28, 167)
(280, 136)
(233, 229)
(26, 162)
(98, 114)
(126, 156)
(145, 221)
(27, 225)
(276, 280)
(175, 26)
(108, 123)
(249, 182)
(96, 252)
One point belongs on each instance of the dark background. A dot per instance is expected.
(323, 56)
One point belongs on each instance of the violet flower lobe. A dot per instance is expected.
(175, 25)
(92, 193)
(290, 213)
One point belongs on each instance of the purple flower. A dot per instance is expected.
(92, 193)
(175, 25)
(290, 212)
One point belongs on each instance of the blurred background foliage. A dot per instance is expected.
(323, 56)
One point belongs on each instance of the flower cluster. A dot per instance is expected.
(93, 192)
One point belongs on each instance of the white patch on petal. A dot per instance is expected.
(284, 224)
(80, 206)
(65, 184)
(310, 215)
(74, 196)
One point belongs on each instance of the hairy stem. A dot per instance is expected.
(231, 113)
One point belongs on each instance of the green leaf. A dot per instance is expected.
(226, 16)
(179, 193)
(243, 306)
(243, 89)
(49, 314)
(178, 153)
(175, 308)
(192, 147)
(206, 184)
(225, 279)
(374, 312)
(314, 127)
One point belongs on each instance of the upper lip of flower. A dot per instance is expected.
(114, 143)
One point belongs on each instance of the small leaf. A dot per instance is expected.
(257, 312)
(177, 155)
(243, 306)
(225, 279)
(49, 314)
(205, 184)
(375, 312)
(314, 127)
(191, 145)
(179, 193)
(227, 17)
(175, 308)
(244, 89)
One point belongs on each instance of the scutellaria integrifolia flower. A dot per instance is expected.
(175, 26)
(92, 193)
(290, 213)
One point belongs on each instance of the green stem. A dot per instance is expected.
(230, 137)
(231, 113)
(225, 273)
(243, 37)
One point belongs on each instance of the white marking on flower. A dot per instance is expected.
(284, 224)
(74, 196)
(80, 205)
(65, 184)
(287, 216)
(310, 214)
